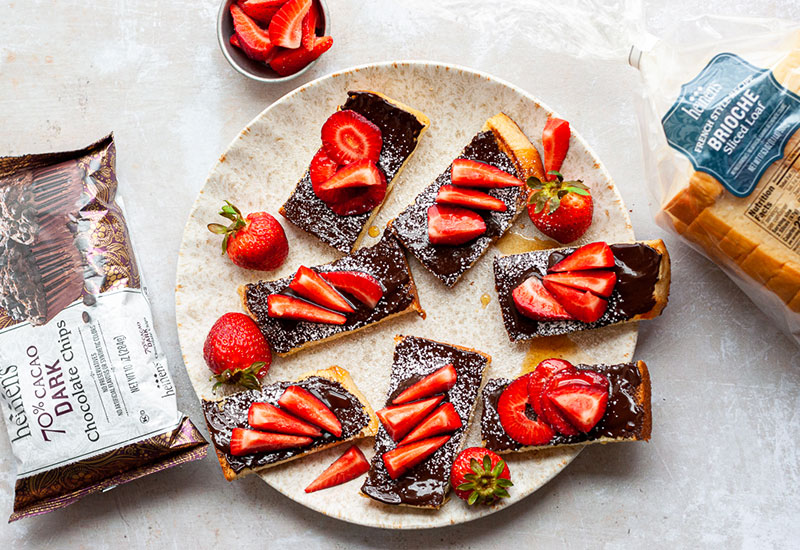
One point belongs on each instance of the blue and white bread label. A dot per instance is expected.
(732, 121)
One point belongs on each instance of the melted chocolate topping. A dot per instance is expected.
(400, 131)
(637, 267)
(223, 416)
(448, 263)
(385, 261)
(426, 484)
(624, 417)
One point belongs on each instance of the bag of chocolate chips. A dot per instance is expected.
(84, 386)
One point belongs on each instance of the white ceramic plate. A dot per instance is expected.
(258, 172)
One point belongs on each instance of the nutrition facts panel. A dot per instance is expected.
(776, 208)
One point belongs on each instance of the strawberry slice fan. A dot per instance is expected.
(565, 400)
(576, 288)
(452, 220)
(419, 421)
(344, 173)
(320, 300)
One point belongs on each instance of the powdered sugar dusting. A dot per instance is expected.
(426, 484)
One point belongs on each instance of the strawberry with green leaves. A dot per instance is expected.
(480, 476)
(236, 351)
(255, 242)
(560, 209)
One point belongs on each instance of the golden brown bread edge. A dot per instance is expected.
(414, 306)
(642, 399)
(707, 215)
(426, 123)
(337, 374)
(400, 338)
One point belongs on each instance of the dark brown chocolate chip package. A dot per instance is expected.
(84, 386)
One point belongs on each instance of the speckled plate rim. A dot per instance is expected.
(570, 452)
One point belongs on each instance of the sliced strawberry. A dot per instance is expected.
(453, 225)
(346, 468)
(401, 419)
(286, 62)
(308, 284)
(261, 10)
(517, 424)
(321, 169)
(267, 417)
(348, 136)
(401, 459)
(555, 141)
(354, 189)
(600, 282)
(582, 305)
(439, 381)
(471, 198)
(301, 402)
(590, 256)
(289, 307)
(362, 286)
(533, 300)
(573, 381)
(472, 173)
(285, 28)
(443, 420)
(253, 39)
(309, 27)
(583, 406)
(248, 442)
(235, 41)
(540, 376)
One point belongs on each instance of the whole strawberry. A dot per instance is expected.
(236, 351)
(560, 209)
(257, 242)
(480, 476)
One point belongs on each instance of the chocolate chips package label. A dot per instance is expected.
(84, 383)
(84, 386)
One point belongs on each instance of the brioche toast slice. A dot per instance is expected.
(641, 291)
(501, 144)
(401, 129)
(426, 485)
(628, 416)
(385, 261)
(333, 386)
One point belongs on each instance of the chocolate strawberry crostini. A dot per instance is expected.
(560, 404)
(327, 301)
(365, 146)
(558, 291)
(473, 203)
(432, 394)
(257, 429)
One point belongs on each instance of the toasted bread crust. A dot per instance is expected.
(643, 396)
(661, 290)
(514, 143)
(337, 374)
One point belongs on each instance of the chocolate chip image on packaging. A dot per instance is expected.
(84, 386)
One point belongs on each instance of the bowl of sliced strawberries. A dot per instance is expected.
(273, 40)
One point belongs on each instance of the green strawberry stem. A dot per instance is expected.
(247, 378)
(233, 214)
(549, 193)
(485, 484)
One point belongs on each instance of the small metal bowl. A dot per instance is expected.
(256, 69)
